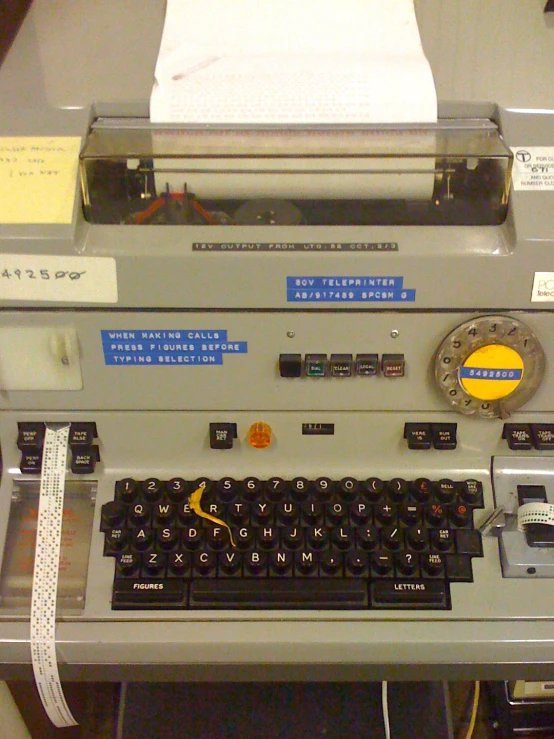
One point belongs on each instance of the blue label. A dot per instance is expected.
(482, 373)
(181, 347)
(355, 289)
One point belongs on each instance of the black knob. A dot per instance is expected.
(113, 513)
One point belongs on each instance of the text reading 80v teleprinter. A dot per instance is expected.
(294, 385)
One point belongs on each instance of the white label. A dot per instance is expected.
(535, 513)
(543, 288)
(45, 577)
(533, 167)
(58, 279)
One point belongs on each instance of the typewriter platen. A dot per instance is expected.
(326, 364)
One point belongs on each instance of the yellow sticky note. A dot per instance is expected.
(38, 175)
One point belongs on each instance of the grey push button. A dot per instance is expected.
(518, 436)
(341, 365)
(367, 364)
(418, 435)
(393, 365)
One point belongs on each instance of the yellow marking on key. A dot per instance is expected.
(194, 501)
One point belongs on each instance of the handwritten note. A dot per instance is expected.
(38, 176)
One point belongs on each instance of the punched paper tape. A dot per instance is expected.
(45, 576)
(535, 513)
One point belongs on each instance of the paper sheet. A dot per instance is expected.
(38, 178)
(292, 61)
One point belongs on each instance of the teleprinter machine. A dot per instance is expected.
(303, 375)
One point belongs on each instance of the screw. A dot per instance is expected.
(291, 334)
(395, 333)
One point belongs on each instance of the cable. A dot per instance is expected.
(385, 706)
(474, 708)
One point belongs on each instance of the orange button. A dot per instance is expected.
(259, 435)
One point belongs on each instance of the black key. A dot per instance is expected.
(202, 482)
(436, 514)
(445, 491)
(469, 542)
(382, 563)
(152, 489)
(300, 488)
(367, 538)
(444, 435)
(409, 513)
(409, 594)
(142, 539)
(292, 537)
(373, 489)
(274, 593)
(255, 564)
(287, 513)
(251, 488)
(178, 564)
(177, 489)
(276, 488)
(361, 512)
(187, 517)
(280, 563)
(518, 436)
(230, 563)
(324, 488)
(262, 513)
(244, 538)
(422, 489)
(418, 435)
(305, 564)
(471, 491)
(442, 540)
(543, 435)
(416, 538)
(113, 514)
(392, 538)
(216, 537)
(126, 490)
(153, 565)
(343, 538)
(311, 513)
(149, 594)
(385, 513)
(222, 435)
(204, 564)
(406, 564)
(192, 538)
(116, 540)
(317, 537)
(139, 514)
(268, 537)
(167, 538)
(331, 563)
(461, 515)
(356, 564)
(458, 568)
(226, 489)
(432, 565)
(398, 489)
(30, 435)
(348, 488)
(31, 463)
(336, 513)
(238, 513)
(164, 514)
(84, 459)
(127, 564)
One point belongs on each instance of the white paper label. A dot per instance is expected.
(58, 279)
(530, 513)
(533, 167)
(45, 577)
(543, 288)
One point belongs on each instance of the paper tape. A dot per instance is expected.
(45, 576)
(535, 513)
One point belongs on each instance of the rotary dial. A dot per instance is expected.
(489, 366)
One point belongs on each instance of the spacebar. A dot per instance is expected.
(270, 593)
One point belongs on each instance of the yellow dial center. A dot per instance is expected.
(492, 372)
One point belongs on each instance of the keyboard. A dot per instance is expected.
(290, 544)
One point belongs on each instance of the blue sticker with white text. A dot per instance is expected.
(355, 289)
(183, 347)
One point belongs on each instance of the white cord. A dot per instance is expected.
(385, 705)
